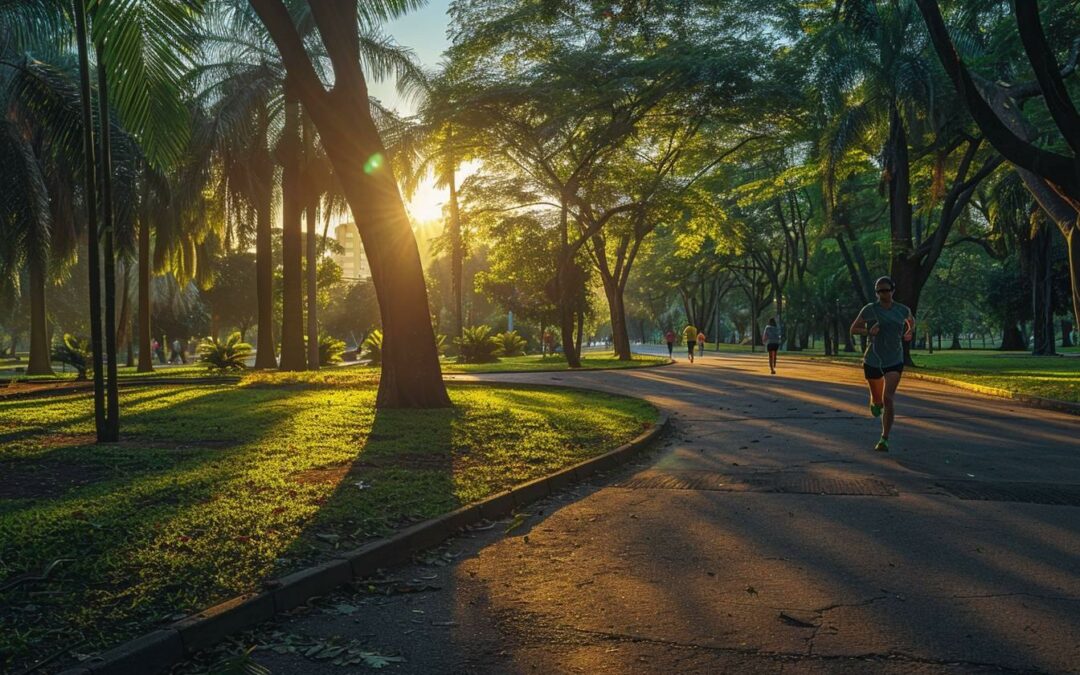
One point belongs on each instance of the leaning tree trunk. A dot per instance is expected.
(40, 358)
(292, 204)
(90, 199)
(411, 377)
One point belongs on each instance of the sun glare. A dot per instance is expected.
(427, 204)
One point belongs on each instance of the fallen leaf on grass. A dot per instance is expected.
(518, 521)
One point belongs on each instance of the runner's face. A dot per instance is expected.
(884, 293)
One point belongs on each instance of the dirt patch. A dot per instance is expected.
(46, 479)
(333, 474)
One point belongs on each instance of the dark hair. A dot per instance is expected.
(772, 322)
(887, 280)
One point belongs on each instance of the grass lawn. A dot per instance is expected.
(1048, 376)
(535, 362)
(190, 370)
(216, 488)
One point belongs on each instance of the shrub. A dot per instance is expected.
(330, 350)
(75, 352)
(511, 343)
(477, 345)
(222, 357)
(371, 349)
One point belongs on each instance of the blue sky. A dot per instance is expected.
(424, 31)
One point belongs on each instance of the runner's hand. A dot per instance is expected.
(873, 330)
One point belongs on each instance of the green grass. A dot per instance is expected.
(125, 372)
(216, 488)
(537, 363)
(1049, 377)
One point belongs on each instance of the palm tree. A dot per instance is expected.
(142, 48)
(37, 101)
(434, 143)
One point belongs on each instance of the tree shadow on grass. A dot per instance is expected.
(129, 542)
(403, 472)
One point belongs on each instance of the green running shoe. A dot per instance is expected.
(875, 409)
(882, 445)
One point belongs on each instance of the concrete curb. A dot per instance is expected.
(156, 651)
(1025, 399)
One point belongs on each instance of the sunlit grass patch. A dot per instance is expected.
(216, 488)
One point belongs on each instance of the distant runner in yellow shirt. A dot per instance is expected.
(690, 337)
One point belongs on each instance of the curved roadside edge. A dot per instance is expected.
(661, 364)
(1026, 399)
(160, 649)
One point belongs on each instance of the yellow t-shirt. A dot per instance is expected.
(689, 334)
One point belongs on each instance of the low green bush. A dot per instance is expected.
(223, 357)
(477, 345)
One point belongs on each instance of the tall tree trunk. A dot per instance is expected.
(311, 193)
(112, 394)
(565, 291)
(457, 254)
(1072, 243)
(146, 357)
(40, 362)
(904, 271)
(292, 205)
(90, 197)
(620, 334)
(1042, 309)
(411, 377)
(265, 354)
(123, 333)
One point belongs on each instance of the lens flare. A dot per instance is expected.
(373, 163)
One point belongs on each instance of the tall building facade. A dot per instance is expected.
(353, 262)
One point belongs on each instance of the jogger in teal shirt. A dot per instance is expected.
(887, 325)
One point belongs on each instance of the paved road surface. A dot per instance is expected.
(764, 536)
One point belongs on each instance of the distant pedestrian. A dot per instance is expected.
(690, 336)
(771, 338)
(174, 356)
(888, 325)
(549, 343)
(155, 349)
(669, 337)
(701, 344)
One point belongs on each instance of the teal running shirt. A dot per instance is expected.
(887, 347)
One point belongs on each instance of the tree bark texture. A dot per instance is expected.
(292, 205)
(90, 198)
(40, 362)
(146, 356)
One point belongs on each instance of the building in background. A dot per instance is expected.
(353, 262)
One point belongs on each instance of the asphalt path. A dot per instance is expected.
(762, 535)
